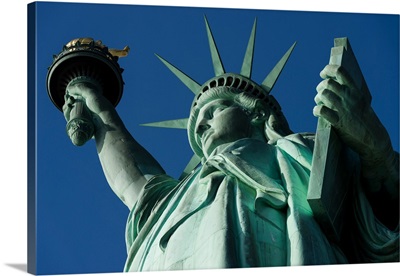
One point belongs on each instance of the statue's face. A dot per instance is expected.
(220, 122)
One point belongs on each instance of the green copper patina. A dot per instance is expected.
(84, 60)
(254, 193)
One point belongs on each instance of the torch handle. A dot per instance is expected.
(80, 127)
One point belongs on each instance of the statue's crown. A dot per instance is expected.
(241, 81)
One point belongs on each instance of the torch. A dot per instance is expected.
(90, 62)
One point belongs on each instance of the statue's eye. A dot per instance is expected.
(218, 109)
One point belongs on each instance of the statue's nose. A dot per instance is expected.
(202, 126)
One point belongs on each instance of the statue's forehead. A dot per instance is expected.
(213, 104)
(217, 102)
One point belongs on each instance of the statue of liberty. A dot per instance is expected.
(242, 200)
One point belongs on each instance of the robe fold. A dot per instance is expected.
(245, 206)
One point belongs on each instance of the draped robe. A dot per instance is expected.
(246, 206)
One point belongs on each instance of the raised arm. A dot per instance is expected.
(349, 111)
(126, 164)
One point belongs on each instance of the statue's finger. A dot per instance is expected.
(329, 71)
(71, 100)
(344, 78)
(68, 105)
(329, 99)
(68, 98)
(328, 114)
(338, 73)
(66, 110)
(331, 85)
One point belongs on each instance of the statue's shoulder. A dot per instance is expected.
(304, 138)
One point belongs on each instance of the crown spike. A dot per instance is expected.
(216, 59)
(248, 57)
(270, 80)
(177, 123)
(189, 82)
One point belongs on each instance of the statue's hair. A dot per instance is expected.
(275, 126)
(229, 93)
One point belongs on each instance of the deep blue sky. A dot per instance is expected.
(80, 222)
